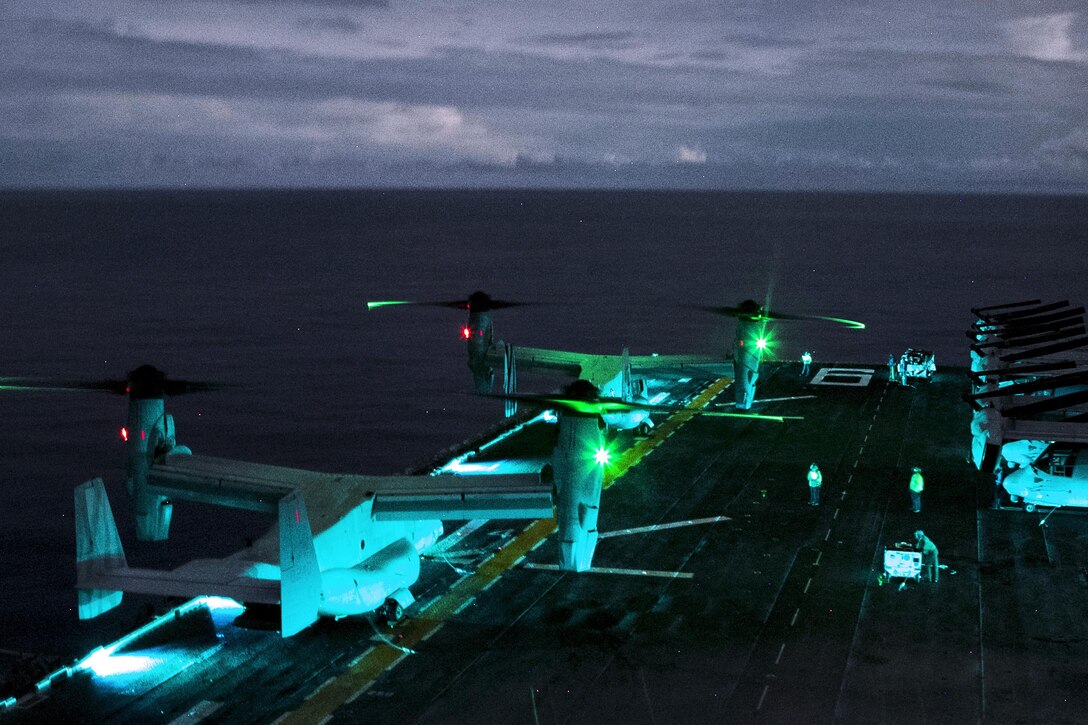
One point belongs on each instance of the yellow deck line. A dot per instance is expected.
(411, 632)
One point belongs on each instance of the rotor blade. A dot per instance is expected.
(764, 400)
(388, 303)
(478, 301)
(1045, 350)
(1006, 317)
(502, 304)
(605, 406)
(1047, 404)
(1032, 386)
(980, 311)
(117, 387)
(185, 387)
(758, 315)
(1014, 371)
(455, 304)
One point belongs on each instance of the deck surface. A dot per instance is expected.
(764, 609)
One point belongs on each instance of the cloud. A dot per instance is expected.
(852, 86)
(343, 25)
(352, 4)
(337, 126)
(1045, 37)
(688, 155)
(593, 40)
(1069, 152)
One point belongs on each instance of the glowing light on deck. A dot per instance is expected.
(459, 466)
(460, 460)
(104, 663)
(602, 455)
(219, 604)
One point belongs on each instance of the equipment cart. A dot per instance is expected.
(903, 564)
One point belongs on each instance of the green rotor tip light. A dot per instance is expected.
(852, 324)
(385, 303)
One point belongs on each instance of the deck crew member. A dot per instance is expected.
(806, 361)
(815, 480)
(917, 483)
(999, 479)
(891, 368)
(923, 544)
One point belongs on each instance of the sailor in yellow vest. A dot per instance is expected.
(815, 480)
(917, 483)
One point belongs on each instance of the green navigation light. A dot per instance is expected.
(761, 344)
(602, 456)
(386, 303)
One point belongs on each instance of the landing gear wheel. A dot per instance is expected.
(1029, 507)
(643, 429)
(1014, 499)
(392, 611)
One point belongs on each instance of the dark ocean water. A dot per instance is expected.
(268, 290)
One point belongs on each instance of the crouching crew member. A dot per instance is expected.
(923, 544)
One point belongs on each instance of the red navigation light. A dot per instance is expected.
(124, 434)
(740, 342)
(466, 332)
(298, 517)
(143, 435)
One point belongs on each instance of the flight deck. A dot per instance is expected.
(717, 593)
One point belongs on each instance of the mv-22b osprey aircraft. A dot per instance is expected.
(343, 544)
(612, 375)
(1030, 400)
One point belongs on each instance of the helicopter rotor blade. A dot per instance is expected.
(117, 387)
(605, 406)
(146, 378)
(173, 388)
(752, 311)
(476, 302)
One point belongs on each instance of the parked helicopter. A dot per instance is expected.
(1021, 389)
(342, 544)
(580, 457)
(1057, 476)
(613, 375)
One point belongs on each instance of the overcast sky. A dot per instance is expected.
(892, 94)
